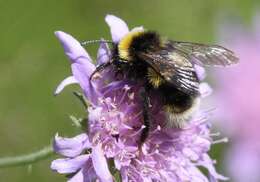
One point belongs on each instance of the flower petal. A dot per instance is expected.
(205, 89)
(76, 52)
(67, 81)
(78, 177)
(118, 27)
(208, 164)
(82, 66)
(85, 174)
(103, 54)
(200, 72)
(100, 164)
(243, 162)
(82, 73)
(68, 165)
(72, 47)
(71, 147)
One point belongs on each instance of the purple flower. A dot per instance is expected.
(239, 111)
(115, 124)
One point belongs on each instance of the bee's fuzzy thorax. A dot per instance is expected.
(125, 43)
(138, 41)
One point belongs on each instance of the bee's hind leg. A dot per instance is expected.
(146, 116)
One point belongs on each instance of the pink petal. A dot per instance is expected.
(82, 66)
(190, 154)
(118, 27)
(75, 52)
(72, 47)
(243, 162)
(100, 164)
(104, 54)
(205, 89)
(208, 164)
(94, 113)
(197, 175)
(71, 147)
(68, 165)
(85, 174)
(79, 177)
(200, 71)
(82, 74)
(67, 81)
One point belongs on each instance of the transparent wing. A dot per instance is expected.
(208, 55)
(175, 69)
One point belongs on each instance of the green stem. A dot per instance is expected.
(82, 98)
(27, 158)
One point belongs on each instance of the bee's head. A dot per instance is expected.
(137, 41)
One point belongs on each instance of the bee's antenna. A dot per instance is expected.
(96, 41)
(100, 68)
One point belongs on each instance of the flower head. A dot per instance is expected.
(115, 125)
(239, 111)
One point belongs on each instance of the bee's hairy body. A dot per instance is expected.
(127, 53)
(178, 106)
(167, 69)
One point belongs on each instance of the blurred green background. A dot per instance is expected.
(32, 62)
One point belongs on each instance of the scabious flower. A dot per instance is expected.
(239, 111)
(115, 123)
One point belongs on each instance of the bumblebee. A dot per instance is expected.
(166, 68)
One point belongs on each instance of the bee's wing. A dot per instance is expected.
(208, 55)
(175, 69)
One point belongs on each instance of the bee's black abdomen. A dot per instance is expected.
(179, 100)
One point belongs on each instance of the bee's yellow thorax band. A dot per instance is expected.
(154, 78)
(125, 43)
